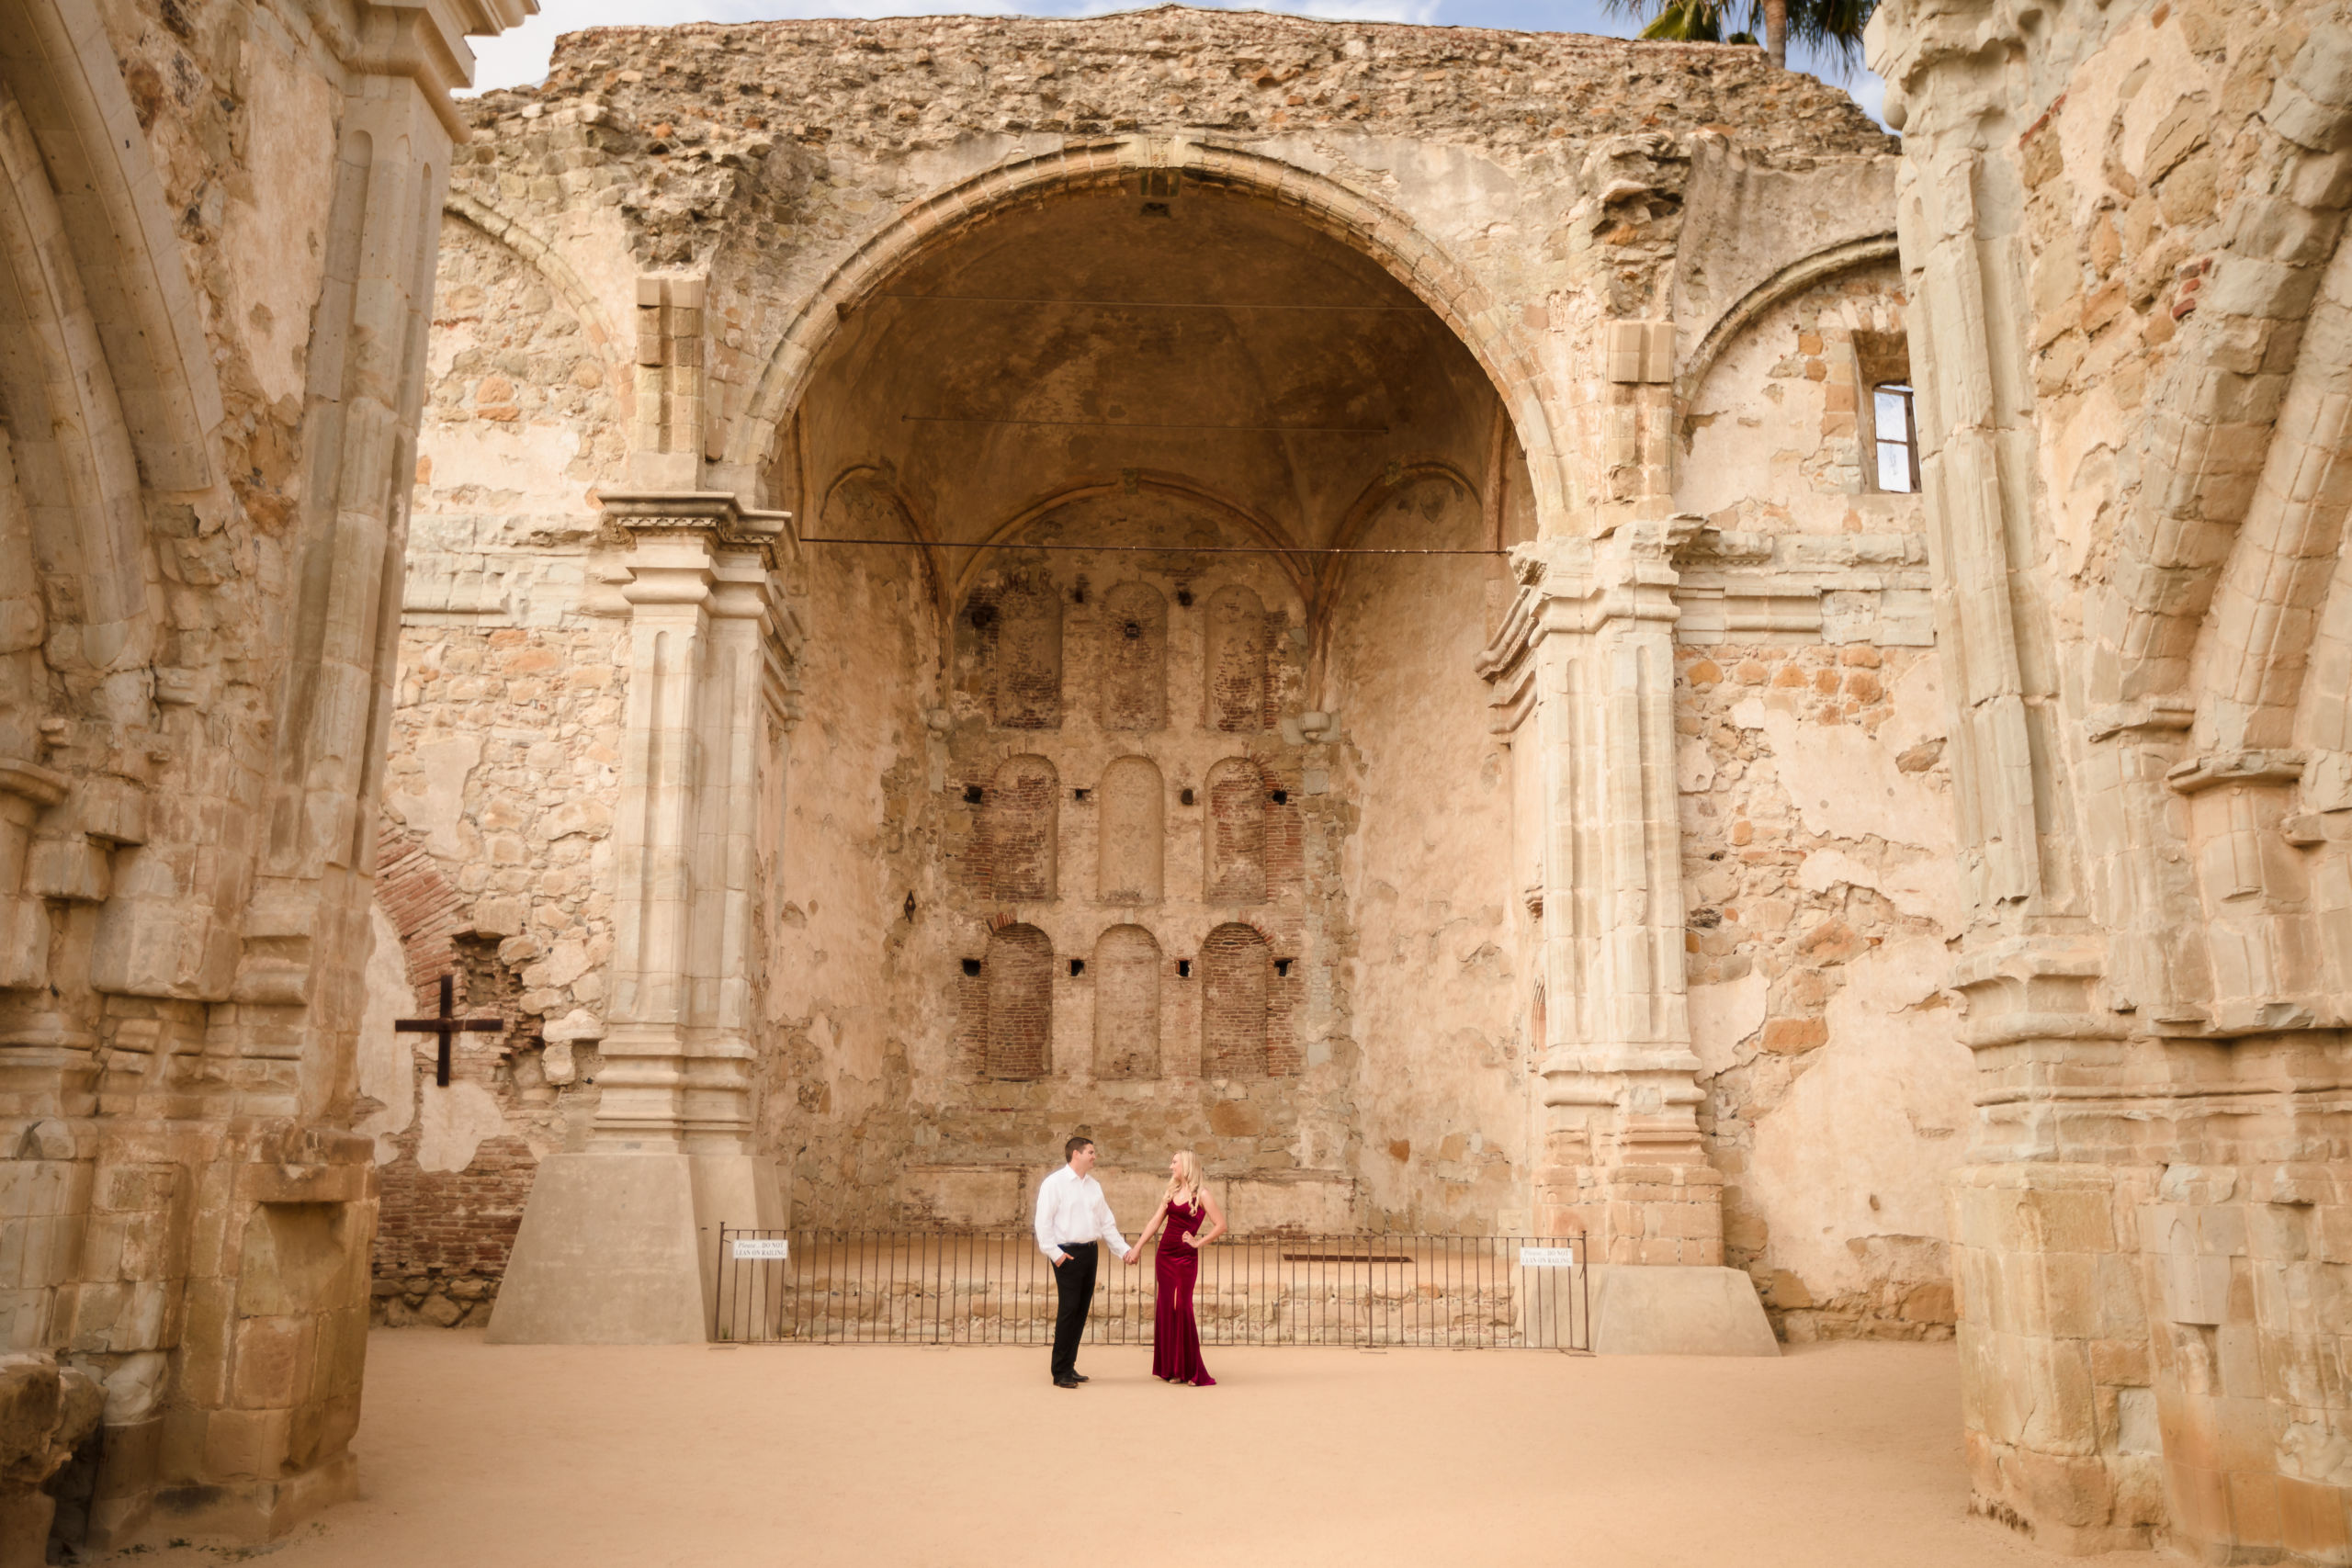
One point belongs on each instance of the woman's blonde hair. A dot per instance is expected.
(1187, 1178)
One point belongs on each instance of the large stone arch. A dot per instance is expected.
(1389, 237)
(65, 93)
(2200, 472)
(2273, 593)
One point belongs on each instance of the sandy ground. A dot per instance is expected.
(475, 1455)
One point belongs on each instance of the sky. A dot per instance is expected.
(521, 56)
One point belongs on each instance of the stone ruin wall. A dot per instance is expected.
(192, 540)
(1813, 921)
(503, 766)
(2122, 226)
(1816, 845)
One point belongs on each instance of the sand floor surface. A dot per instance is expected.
(473, 1454)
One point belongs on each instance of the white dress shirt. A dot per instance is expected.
(1071, 1208)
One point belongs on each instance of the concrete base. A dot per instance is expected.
(1678, 1311)
(621, 1248)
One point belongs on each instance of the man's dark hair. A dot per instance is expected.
(1070, 1150)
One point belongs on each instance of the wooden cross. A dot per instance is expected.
(447, 1028)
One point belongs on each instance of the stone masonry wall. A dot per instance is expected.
(499, 782)
(1816, 843)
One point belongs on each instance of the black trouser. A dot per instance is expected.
(1075, 1280)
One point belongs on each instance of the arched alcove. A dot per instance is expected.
(1134, 658)
(1234, 663)
(1022, 618)
(1020, 974)
(1131, 851)
(1022, 821)
(1126, 1004)
(1236, 986)
(1235, 832)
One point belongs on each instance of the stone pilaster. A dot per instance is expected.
(611, 1247)
(1592, 634)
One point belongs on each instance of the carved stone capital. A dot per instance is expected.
(714, 516)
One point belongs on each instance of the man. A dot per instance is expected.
(1072, 1216)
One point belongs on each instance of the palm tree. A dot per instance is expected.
(1835, 27)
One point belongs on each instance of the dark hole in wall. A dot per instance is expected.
(983, 616)
(1186, 798)
(1184, 597)
(1156, 210)
(1183, 969)
(1080, 794)
(1282, 968)
(974, 794)
(971, 966)
(1132, 630)
(1077, 967)
(1281, 797)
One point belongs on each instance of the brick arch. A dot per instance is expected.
(425, 907)
(1381, 232)
(1018, 976)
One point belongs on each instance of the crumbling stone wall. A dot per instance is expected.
(2124, 246)
(220, 219)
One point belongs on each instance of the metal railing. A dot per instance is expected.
(883, 1287)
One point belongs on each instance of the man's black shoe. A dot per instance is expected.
(1082, 1377)
(1065, 1382)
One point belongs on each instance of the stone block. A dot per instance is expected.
(2315, 1521)
(272, 1362)
(245, 1444)
(1688, 1311)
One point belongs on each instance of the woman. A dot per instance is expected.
(1176, 1336)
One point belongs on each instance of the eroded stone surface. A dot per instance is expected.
(220, 220)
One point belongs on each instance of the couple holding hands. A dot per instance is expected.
(1073, 1216)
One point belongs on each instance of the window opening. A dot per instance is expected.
(1898, 437)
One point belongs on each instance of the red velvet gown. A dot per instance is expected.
(1176, 1336)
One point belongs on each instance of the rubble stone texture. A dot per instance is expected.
(2131, 313)
(218, 221)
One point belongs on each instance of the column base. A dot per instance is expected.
(242, 1511)
(619, 1249)
(1671, 1311)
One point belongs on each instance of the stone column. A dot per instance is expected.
(615, 1245)
(2055, 1357)
(1590, 648)
(1622, 1157)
